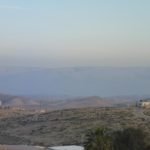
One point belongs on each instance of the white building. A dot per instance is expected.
(145, 103)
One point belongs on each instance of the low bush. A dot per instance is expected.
(127, 139)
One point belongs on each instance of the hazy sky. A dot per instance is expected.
(58, 33)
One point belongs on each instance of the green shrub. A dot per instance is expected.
(129, 139)
(98, 139)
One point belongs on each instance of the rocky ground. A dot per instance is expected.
(65, 127)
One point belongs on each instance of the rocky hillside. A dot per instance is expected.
(65, 127)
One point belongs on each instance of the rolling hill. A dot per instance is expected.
(57, 104)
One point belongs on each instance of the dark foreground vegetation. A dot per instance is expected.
(127, 139)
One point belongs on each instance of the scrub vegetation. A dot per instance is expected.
(67, 127)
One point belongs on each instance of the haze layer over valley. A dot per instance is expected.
(75, 81)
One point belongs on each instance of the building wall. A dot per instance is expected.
(145, 104)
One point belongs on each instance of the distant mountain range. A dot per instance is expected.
(10, 100)
(75, 82)
(51, 103)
